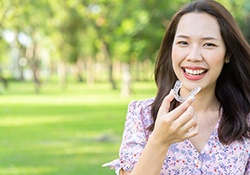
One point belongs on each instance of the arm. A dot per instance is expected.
(170, 127)
(122, 172)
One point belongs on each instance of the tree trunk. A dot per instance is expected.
(3, 80)
(34, 64)
(62, 74)
(110, 65)
(111, 79)
(79, 66)
(90, 71)
(126, 80)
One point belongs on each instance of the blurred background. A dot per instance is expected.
(68, 70)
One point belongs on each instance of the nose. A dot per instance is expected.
(194, 54)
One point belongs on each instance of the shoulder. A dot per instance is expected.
(141, 110)
(142, 103)
(141, 106)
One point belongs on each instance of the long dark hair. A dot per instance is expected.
(233, 85)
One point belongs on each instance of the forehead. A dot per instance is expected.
(199, 25)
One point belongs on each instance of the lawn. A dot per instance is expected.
(62, 132)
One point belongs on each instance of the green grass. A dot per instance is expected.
(70, 132)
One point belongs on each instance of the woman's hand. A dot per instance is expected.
(177, 125)
(170, 127)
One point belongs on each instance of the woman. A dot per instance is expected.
(206, 134)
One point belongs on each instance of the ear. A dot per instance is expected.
(227, 60)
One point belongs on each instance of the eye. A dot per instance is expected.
(210, 45)
(182, 43)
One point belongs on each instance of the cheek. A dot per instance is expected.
(175, 53)
(177, 57)
(216, 64)
(176, 65)
(216, 59)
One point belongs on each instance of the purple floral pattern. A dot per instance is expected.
(182, 157)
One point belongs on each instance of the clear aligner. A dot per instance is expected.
(177, 88)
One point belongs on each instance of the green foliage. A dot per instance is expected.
(119, 24)
(240, 9)
(62, 133)
(74, 30)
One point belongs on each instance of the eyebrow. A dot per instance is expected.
(204, 38)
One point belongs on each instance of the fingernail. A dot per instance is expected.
(171, 91)
(192, 98)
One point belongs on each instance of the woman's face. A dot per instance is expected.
(198, 53)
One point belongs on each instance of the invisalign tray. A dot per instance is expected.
(177, 88)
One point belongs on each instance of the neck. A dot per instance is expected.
(205, 101)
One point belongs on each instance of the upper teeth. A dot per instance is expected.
(194, 72)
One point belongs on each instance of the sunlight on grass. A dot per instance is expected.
(61, 100)
(67, 132)
(23, 121)
(14, 170)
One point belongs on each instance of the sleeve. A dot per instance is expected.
(247, 171)
(133, 141)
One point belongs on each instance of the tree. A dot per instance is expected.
(81, 33)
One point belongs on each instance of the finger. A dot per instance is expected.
(193, 132)
(182, 107)
(191, 128)
(195, 123)
(185, 117)
(164, 108)
(190, 124)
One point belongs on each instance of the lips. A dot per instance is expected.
(196, 73)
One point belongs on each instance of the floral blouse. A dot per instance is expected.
(182, 157)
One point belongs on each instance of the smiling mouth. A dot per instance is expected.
(194, 72)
